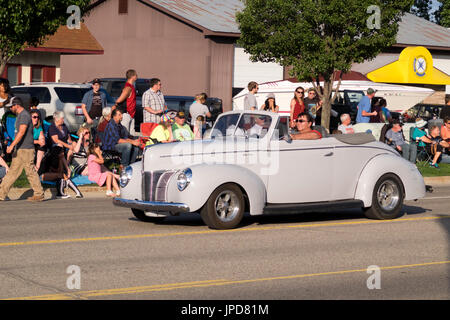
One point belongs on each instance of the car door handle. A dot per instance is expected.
(329, 154)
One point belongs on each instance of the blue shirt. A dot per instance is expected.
(89, 96)
(113, 132)
(366, 105)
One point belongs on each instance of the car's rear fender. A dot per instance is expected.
(412, 180)
(207, 178)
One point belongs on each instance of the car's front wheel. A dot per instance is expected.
(224, 208)
(387, 198)
(140, 215)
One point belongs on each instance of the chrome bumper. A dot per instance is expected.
(152, 205)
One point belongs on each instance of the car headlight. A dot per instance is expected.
(125, 176)
(184, 178)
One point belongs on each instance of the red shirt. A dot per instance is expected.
(131, 100)
(298, 108)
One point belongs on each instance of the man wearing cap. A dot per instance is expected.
(397, 141)
(22, 149)
(365, 106)
(180, 129)
(93, 103)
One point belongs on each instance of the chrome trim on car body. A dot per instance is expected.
(153, 206)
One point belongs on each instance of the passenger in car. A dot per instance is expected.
(303, 125)
(346, 126)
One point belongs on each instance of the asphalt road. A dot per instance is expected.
(304, 256)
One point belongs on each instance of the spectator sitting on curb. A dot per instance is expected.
(162, 133)
(116, 138)
(99, 173)
(395, 137)
(180, 129)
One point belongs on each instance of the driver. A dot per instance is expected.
(303, 125)
(258, 128)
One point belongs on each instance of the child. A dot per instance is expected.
(98, 173)
(199, 127)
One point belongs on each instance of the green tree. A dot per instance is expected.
(319, 37)
(25, 23)
(442, 14)
(421, 8)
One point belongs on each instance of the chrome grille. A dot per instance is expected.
(154, 186)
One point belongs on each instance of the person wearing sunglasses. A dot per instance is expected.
(304, 131)
(297, 105)
(38, 137)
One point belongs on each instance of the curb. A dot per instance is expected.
(437, 181)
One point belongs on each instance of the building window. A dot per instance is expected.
(13, 75)
(36, 74)
(123, 6)
(13, 72)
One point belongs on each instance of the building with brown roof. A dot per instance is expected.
(42, 63)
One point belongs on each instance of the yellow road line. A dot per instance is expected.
(160, 235)
(205, 283)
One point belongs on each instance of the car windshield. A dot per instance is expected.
(71, 95)
(253, 125)
(225, 125)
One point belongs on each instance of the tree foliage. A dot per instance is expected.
(442, 14)
(28, 22)
(421, 8)
(318, 37)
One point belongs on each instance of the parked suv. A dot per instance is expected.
(54, 96)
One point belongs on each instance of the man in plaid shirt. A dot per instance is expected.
(153, 102)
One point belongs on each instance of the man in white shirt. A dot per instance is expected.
(258, 130)
(346, 126)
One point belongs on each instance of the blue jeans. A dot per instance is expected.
(409, 152)
(128, 152)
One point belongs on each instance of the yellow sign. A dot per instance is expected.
(414, 65)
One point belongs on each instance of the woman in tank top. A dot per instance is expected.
(297, 105)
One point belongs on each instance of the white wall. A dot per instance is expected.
(28, 58)
(443, 63)
(245, 70)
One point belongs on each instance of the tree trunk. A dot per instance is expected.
(2, 67)
(326, 106)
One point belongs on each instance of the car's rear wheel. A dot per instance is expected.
(224, 208)
(140, 215)
(387, 198)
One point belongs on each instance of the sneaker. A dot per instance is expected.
(36, 198)
(63, 196)
(434, 165)
(117, 193)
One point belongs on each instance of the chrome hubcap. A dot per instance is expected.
(388, 195)
(227, 206)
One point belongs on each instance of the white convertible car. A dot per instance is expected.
(249, 163)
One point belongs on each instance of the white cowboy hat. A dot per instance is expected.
(421, 123)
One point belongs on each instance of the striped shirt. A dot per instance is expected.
(154, 100)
